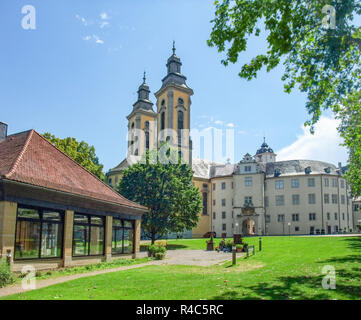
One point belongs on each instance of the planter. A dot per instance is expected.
(210, 246)
(238, 250)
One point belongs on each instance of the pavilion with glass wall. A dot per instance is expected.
(54, 213)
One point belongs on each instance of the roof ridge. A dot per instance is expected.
(118, 194)
(20, 155)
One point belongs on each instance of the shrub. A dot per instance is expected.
(238, 246)
(6, 276)
(161, 243)
(153, 249)
(229, 244)
(159, 255)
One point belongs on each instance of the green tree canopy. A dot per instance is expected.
(81, 152)
(318, 43)
(166, 189)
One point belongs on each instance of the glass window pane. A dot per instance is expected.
(96, 240)
(128, 224)
(80, 218)
(51, 239)
(80, 240)
(52, 215)
(117, 241)
(128, 241)
(96, 220)
(117, 222)
(28, 213)
(27, 239)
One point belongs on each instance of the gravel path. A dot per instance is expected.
(173, 257)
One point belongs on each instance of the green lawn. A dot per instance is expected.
(286, 268)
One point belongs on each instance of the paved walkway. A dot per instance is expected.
(182, 257)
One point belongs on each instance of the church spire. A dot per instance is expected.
(173, 47)
(143, 101)
(174, 74)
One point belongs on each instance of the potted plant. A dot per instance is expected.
(210, 244)
(238, 248)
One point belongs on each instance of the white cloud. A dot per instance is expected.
(82, 19)
(230, 125)
(323, 145)
(218, 122)
(103, 24)
(104, 16)
(87, 38)
(97, 39)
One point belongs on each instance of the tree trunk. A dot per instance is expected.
(153, 237)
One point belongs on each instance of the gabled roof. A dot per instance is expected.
(29, 158)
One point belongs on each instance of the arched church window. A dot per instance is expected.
(162, 121)
(180, 120)
(180, 126)
(147, 140)
(146, 125)
(136, 152)
(205, 203)
(163, 103)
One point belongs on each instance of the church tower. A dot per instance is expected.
(142, 123)
(173, 109)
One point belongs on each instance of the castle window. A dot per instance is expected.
(279, 184)
(248, 181)
(311, 198)
(295, 183)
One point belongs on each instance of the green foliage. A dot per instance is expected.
(81, 152)
(159, 255)
(6, 276)
(325, 63)
(166, 189)
(155, 248)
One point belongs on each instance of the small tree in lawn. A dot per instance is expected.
(162, 183)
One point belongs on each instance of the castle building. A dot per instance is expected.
(256, 196)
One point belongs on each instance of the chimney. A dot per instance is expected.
(3, 131)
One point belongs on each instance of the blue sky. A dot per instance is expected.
(77, 75)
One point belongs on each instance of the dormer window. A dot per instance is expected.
(277, 172)
(328, 170)
(308, 170)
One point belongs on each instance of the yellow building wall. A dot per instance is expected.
(204, 222)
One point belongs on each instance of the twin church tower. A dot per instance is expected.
(170, 123)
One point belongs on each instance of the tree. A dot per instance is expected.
(81, 152)
(319, 46)
(166, 189)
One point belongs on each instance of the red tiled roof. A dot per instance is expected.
(29, 158)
